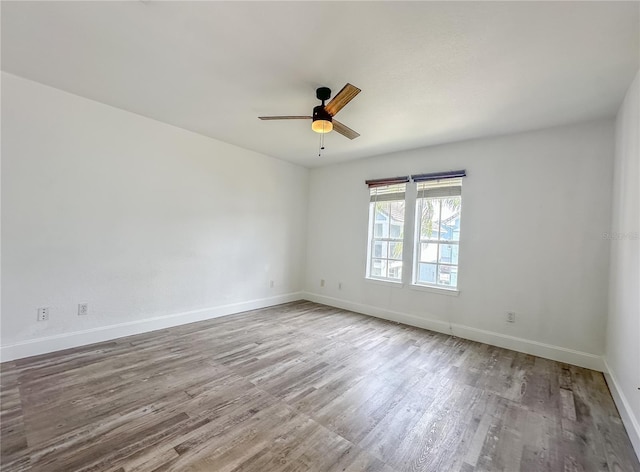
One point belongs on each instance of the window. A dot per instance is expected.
(437, 221)
(386, 232)
(434, 232)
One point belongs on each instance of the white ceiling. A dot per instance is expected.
(430, 72)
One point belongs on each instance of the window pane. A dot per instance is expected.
(454, 277)
(448, 276)
(429, 215)
(380, 249)
(396, 219)
(396, 230)
(427, 273)
(381, 229)
(448, 253)
(395, 270)
(428, 252)
(378, 268)
(395, 251)
(450, 227)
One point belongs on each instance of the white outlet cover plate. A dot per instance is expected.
(43, 314)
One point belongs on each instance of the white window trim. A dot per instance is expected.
(439, 289)
(386, 282)
(408, 257)
(370, 239)
(415, 253)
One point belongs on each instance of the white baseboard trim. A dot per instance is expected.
(548, 351)
(44, 345)
(631, 423)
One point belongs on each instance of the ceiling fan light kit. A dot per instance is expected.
(322, 119)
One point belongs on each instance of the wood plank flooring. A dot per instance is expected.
(305, 387)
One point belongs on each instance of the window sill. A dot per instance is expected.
(384, 282)
(439, 290)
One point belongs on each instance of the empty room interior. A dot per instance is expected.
(320, 236)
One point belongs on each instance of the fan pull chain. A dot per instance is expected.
(321, 146)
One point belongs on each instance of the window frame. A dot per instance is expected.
(419, 241)
(388, 240)
(412, 237)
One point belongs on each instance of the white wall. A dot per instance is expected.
(154, 226)
(623, 329)
(535, 206)
(137, 218)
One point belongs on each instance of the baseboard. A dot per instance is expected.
(33, 347)
(44, 345)
(631, 423)
(548, 351)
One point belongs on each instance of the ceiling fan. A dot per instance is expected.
(322, 119)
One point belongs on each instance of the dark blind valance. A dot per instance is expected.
(387, 181)
(439, 175)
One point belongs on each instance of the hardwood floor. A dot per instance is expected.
(302, 387)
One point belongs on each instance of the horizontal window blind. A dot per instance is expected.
(450, 174)
(387, 181)
(387, 192)
(440, 188)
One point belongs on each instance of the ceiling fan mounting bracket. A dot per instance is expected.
(323, 93)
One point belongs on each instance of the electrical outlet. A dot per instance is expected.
(322, 282)
(43, 314)
(83, 309)
(272, 284)
(511, 317)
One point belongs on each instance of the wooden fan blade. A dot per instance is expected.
(344, 130)
(284, 117)
(343, 97)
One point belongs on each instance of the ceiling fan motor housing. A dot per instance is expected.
(319, 113)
